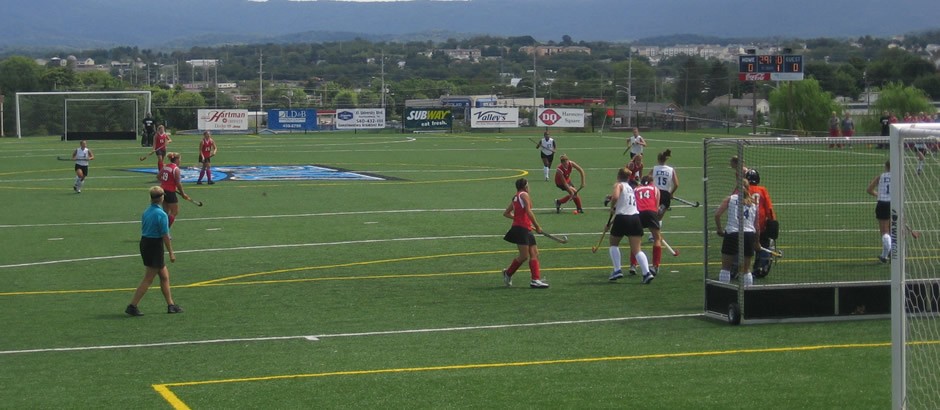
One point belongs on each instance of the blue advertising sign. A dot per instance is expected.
(297, 120)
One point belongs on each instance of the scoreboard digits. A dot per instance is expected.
(777, 63)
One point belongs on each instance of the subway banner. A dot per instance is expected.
(429, 118)
(304, 119)
(211, 120)
(360, 118)
(560, 117)
(493, 117)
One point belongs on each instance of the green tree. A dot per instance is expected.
(801, 106)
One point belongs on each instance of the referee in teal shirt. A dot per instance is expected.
(154, 236)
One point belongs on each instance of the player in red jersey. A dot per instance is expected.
(207, 150)
(636, 169)
(523, 222)
(647, 202)
(159, 146)
(563, 182)
(170, 181)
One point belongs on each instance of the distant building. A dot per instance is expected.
(542, 51)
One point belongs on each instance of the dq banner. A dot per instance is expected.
(429, 118)
(305, 119)
(222, 119)
(359, 118)
(560, 117)
(490, 117)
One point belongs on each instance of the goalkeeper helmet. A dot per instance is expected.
(752, 176)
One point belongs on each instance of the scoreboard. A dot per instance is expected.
(774, 67)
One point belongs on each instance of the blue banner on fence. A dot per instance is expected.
(297, 120)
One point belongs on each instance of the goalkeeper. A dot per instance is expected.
(766, 221)
(150, 128)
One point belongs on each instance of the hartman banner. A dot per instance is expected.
(560, 117)
(360, 118)
(222, 119)
(429, 118)
(491, 117)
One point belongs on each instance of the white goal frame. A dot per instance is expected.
(146, 94)
(899, 236)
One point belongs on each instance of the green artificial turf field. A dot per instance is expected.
(382, 291)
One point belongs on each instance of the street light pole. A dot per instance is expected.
(630, 87)
(534, 86)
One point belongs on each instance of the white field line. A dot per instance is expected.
(338, 335)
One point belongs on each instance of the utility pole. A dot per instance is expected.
(534, 86)
(630, 87)
(260, 89)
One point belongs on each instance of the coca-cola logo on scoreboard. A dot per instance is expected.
(754, 76)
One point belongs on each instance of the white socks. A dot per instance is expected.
(724, 276)
(885, 245)
(643, 262)
(546, 170)
(615, 257)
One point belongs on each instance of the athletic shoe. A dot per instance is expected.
(211, 183)
(174, 309)
(557, 206)
(650, 238)
(506, 278)
(75, 188)
(133, 311)
(617, 274)
(198, 182)
(882, 259)
(724, 277)
(632, 270)
(647, 278)
(747, 279)
(537, 284)
(654, 270)
(580, 211)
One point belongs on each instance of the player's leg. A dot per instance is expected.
(165, 286)
(615, 257)
(884, 226)
(641, 259)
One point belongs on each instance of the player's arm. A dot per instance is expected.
(214, 149)
(873, 186)
(528, 210)
(508, 211)
(614, 196)
(771, 214)
(722, 208)
(91, 155)
(675, 182)
(580, 171)
(75, 154)
(179, 183)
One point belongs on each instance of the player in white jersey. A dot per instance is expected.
(636, 143)
(880, 188)
(626, 222)
(547, 148)
(81, 156)
(666, 179)
(734, 205)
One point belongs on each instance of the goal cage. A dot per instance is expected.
(76, 115)
(915, 272)
(828, 234)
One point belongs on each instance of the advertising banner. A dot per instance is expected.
(507, 117)
(429, 118)
(560, 117)
(360, 118)
(305, 119)
(222, 119)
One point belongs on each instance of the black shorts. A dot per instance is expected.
(729, 246)
(649, 219)
(626, 225)
(665, 199)
(170, 197)
(519, 236)
(151, 252)
(161, 152)
(549, 157)
(883, 210)
(84, 169)
(204, 160)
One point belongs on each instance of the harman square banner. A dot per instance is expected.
(560, 117)
(491, 117)
(360, 118)
(429, 118)
(222, 119)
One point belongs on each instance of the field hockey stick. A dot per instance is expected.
(913, 233)
(145, 156)
(559, 239)
(625, 151)
(61, 158)
(533, 141)
(195, 202)
(775, 253)
(672, 251)
(604, 233)
(695, 204)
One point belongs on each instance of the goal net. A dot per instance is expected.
(93, 112)
(915, 272)
(828, 234)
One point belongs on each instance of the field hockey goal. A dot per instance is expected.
(915, 271)
(82, 115)
(828, 234)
